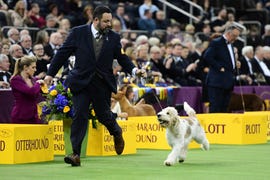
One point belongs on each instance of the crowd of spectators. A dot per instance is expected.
(167, 47)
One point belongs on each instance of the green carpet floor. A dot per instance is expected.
(240, 162)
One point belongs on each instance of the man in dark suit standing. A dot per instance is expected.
(221, 76)
(94, 46)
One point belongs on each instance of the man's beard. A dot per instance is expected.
(105, 30)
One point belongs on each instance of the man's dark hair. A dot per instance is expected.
(100, 10)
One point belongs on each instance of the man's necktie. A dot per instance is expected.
(98, 36)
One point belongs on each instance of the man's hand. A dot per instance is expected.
(4, 85)
(48, 80)
(168, 63)
(222, 69)
(141, 73)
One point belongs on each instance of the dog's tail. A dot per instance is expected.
(189, 110)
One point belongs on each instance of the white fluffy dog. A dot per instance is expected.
(180, 132)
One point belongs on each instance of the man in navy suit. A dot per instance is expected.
(221, 76)
(94, 46)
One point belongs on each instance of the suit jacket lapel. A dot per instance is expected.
(90, 41)
(228, 52)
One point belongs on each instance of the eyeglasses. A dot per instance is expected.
(38, 49)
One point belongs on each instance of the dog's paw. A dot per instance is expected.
(181, 160)
(168, 163)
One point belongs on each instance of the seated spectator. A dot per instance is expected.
(161, 21)
(241, 79)
(174, 32)
(26, 44)
(157, 68)
(5, 48)
(189, 33)
(55, 41)
(147, 4)
(206, 33)
(54, 12)
(254, 38)
(13, 35)
(15, 53)
(131, 53)
(179, 69)
(87, 15)
(246, 64)
(42, 37)
(266, 56)
(65, 24)
(51, 24)
(218, 24)
(116, 25)
(24, 32)
(142, 55)
(4, 72)
(19, 16)
(122, 16)
(266, 35)
(147, 23)
(26, 90)
(260, 69)
(37, 19)
(42, 61)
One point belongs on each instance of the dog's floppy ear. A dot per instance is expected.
(174, 115)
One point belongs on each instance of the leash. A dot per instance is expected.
(157, 99)
(241, 89)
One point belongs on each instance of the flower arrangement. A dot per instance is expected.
(58, 104)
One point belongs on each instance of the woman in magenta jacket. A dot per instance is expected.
(26, 91)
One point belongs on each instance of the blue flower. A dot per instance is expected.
(46, 110)
(60, 101)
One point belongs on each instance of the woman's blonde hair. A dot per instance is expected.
(24, 61)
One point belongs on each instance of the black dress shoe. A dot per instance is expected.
(73, 159)
(119, 144)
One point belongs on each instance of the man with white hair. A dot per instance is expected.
(259, 67)
(55, 42)
(266, 56)
(246, 64)
(26, 43)
(266, 35)
(4, 74)
(15, 52)
(13, 35)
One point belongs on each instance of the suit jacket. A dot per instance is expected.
(217, 56)
(244, 69)
(80, 44)
(49, 50)
(258, 70)
(7, 74)
(177, 71)
(26, 99)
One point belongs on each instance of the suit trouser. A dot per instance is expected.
(99, 94)
(219, 99)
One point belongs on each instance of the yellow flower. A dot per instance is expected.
(44, 88)
(125, 80)
(66, 109)
(93, 112)
(53, 93)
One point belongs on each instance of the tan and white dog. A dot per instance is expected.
(180, 132)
